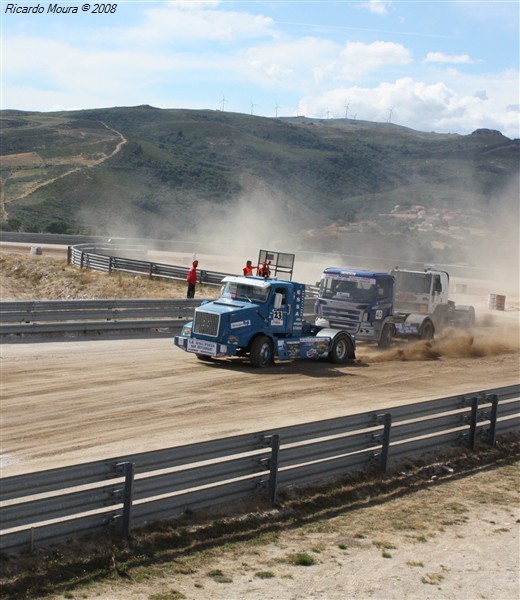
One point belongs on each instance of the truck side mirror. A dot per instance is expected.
(277, 303)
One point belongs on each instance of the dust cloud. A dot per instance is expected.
(451, 343)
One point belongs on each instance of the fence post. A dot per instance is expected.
(128, 470)
(492, 440)
(81, 260)
(69, 255)
(473, 423)
(383, 465)
(110, 259)
(273, 468)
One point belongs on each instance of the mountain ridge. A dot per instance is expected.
(149, 172)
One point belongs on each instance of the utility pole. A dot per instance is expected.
(223, 102)
(252, 106)
(276, 110)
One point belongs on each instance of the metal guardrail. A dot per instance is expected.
(54, 316)
(69, 316)
(128, 491)
(103, 258)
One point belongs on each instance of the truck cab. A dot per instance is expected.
(358, 301)
(261, 318)
(424, 292)
(427, 293)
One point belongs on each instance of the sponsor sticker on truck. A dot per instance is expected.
(204, 347)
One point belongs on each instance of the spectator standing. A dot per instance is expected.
(248, 269)
(191, 278)
(265, 269)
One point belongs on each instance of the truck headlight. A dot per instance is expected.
(186, 330)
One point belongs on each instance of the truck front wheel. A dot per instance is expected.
(261, 352)
(341, 350)
(387, 336)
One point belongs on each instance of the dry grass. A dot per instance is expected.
(33, 277)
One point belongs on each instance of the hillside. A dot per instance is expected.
(326, 185)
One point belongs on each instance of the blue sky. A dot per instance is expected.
(443, 66)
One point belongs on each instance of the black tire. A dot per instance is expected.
(427, 330)
(341, 350)
(465, 318)
(261, 355)
(387, 336)
(204, 357)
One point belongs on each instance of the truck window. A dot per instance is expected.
(355, 289)
(384, 289)
(416, 283)
(240, 291)
(281, 291)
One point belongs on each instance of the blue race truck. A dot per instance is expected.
(261, 319)
(382, 306)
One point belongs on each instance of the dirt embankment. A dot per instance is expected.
(49, 277)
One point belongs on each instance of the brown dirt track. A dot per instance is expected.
(73, 401)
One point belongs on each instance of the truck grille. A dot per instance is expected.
(206, 323)
(348, 319)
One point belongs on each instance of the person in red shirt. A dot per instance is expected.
(248, 269)
(265, 269)
(191, 278)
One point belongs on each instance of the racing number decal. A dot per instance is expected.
(379, 315)
(277, 317)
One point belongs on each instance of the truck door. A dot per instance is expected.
(280, 315)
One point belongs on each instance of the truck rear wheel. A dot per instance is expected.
(261, 352)
(342, 349)
(427, 330)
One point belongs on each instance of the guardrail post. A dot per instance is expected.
(492, 439)
(128, 470)
(69, 255)
(473, 423)
(273, 468)
(151, 270)
(81, 260)
(110, 262)
(385, 450)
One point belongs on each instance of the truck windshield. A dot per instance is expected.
(415, 283)
(352, 289)
(241, 291)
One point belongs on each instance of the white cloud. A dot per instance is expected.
(175, 25)
(358, 59)
(377, 7)
(440, 57)
(422, 106)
